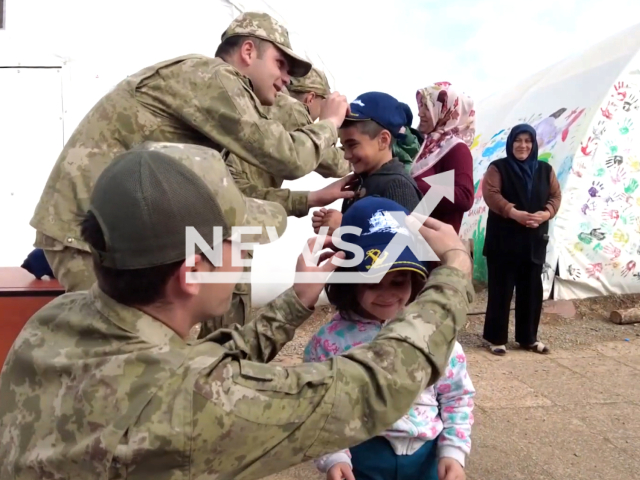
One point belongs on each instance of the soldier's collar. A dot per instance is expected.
(135, 321)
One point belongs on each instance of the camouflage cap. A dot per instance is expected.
(146, 197)
(264, 26)
(315, 81)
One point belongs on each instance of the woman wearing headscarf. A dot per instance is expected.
(522, 194)
(447, 121)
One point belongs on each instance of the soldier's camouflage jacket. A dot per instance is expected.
(265, 185)
(92, 389)
(190, 99)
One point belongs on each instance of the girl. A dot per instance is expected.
(522, 194)
(433, 439)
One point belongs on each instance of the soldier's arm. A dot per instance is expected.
(218, 101)
(333, 164)
(298, 413)
(295, 203)
(270, 329)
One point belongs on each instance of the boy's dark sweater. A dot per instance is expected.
(390, 181)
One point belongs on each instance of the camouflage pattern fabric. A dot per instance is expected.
(262, 25)
(315, 81)
(94, 389)
(191, 99)
(72, 268)
(261, 183)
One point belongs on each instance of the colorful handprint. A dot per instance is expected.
(599, 129)
(631, 187)
(614, 160)
(596, 188)
(585, 238)
(594, 270)
(611, 215)
(626, 126)
(621, 237)
(630, 103)
(574, 272)
(612, 147)
(613, 251)
(629, 268)
(621, 91)
(618, 175)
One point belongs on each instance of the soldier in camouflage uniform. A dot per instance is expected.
(104, 385)
(191, 99)
(310, 92)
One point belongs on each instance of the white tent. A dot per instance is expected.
(95, 45)
(586, 110)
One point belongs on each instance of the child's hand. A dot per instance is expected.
(326, 218)
(450, 469)
(340, 471)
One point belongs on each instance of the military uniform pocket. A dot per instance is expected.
(273, 395)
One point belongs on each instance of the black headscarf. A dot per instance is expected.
(525, 168)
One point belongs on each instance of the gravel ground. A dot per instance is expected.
(589, 326)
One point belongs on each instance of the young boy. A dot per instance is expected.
(367, 136)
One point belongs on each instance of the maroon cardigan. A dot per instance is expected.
(459, 160)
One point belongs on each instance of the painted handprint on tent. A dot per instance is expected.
(589, 206)
(594, 270)
(631, 187)
(618, 175)
(586, 148)
(625, 127)
(629, 103)
(599, 129)
(630, 267)
(614, 160)
(597, 234)
(546, 268)
(585, 238)
(612, 251)
(572, 120)
(612, 147)
(596, 188)
(606, 111)
(574, 272)
(611, 215)
(621, 237)
(620, 91)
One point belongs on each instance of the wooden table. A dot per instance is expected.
(21, 295)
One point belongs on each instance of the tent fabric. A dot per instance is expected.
(586, 113)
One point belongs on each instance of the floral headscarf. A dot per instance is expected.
(454, 119)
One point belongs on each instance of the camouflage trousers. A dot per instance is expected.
(73, 268)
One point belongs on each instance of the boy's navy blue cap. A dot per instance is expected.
(378, 228)
(380, 107)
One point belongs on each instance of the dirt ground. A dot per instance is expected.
(574, 414)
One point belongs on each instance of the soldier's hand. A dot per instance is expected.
(342, 188)
(335, 108)
(340, 471)
(308, 289)
(444, 241)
